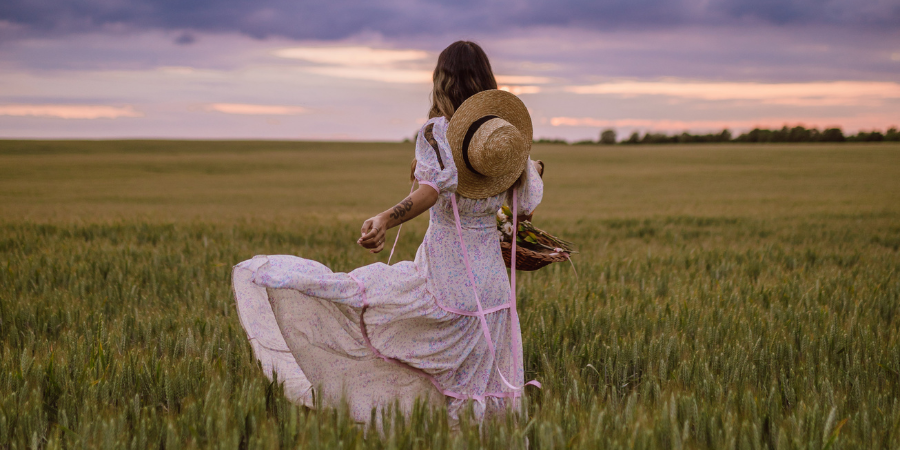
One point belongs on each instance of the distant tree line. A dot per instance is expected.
(785, 134)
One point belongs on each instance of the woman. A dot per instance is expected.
(442, 327)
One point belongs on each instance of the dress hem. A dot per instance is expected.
(420, 372)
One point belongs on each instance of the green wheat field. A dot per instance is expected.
(733, 297)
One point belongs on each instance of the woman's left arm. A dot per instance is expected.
(539, 167)
(374, 230)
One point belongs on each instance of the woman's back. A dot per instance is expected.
(440, 256)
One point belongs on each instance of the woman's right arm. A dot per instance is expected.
(374, 230)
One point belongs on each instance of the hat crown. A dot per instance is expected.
(493, 145)
(490, 137)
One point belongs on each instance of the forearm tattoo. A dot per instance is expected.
(402, 208)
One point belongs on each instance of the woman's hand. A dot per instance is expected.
(373, 233)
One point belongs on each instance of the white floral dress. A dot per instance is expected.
(427, 328)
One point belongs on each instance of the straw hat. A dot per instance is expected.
(490, 137)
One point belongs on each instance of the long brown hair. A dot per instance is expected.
(462, 71)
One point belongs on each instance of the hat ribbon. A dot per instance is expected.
(469, 134)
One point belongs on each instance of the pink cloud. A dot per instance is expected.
(69, 111)
(519, 90)
(830, 93)
(256, 110)
(763, 122)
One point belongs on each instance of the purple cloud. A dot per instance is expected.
(338, 19)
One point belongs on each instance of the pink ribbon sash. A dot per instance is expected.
(481, 313)
(512, 294)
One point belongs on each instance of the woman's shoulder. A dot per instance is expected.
(433, 155)
(434, 134)
(439, 122)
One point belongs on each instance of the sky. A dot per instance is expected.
(361, 70)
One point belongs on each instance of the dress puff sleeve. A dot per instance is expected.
(531, 191)
(434, 161)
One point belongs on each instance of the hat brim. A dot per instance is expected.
(488, 103)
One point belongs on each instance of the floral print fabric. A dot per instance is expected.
(384, 333)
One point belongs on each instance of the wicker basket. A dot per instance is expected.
(528, 260)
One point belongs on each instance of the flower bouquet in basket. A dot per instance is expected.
(535, 248)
